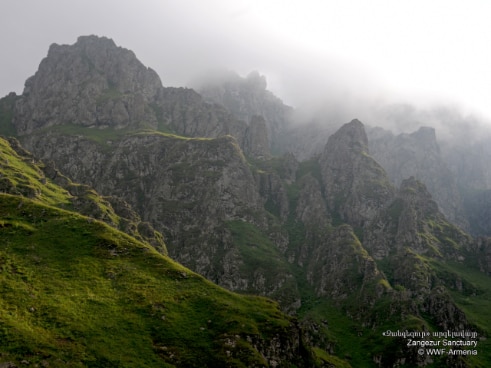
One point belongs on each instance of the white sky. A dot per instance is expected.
(335, 50)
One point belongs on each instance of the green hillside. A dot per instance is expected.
(76, 292)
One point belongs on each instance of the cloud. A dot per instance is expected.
(339, 54)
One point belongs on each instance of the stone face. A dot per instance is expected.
(189, 189)
(256, 139)
(247, 98)
(408, 232)
(184, 111)
(412, 220)
(418, 155)
(91, 83)
(80, 198)
(356, 186)
(339, 266)
(331, 229)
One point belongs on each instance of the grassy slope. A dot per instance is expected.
(474, 301)
(76, 292)
(356, 344)
(349, 342)
(19, 175)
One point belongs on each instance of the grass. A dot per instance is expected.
(78, 293)
(262, 259)
(75, 292)
(342, 333)
(103, 136)
(21, 175)
(475, 302)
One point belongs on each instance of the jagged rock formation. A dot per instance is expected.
(418, 154)
(408, 220)
(81, 198)
(94, 295)
(92, 83)
(247, 98)
(330, 231)
(355, 185)
(406, 236)
(96, 84)
(342, 267)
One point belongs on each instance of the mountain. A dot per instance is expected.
(31, 181)
(356, 186)
(247, 99)
(78, 292)
(418, 154)
(347, 248)
(97, 85)
(447, 150)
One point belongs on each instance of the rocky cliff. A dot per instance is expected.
(356, 186)
(92, 83)
(171, 181)
(22, 174)
(77, 292)
(98, 85)
(247, 98)
(418, 154)
(330, 238)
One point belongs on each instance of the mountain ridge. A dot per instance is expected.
(78, 292)
(330, 238)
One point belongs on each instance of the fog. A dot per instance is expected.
(351, 59)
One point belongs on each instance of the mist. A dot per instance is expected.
(330, 61)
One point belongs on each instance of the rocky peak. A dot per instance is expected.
(427, 137)
(94, 55)
(412, 221)
(94, 83)
(418, 154)
(356, 186)
(350, 137)
(91, 83)
(245, 98)
(415, 194)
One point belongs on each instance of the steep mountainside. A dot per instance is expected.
(418, 154)
(96, 84)
(76, 292)
(22, 175)
(356, 186)
(330, 238)
(247, 98)
(461, 163)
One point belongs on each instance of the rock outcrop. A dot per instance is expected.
(36, 178)
(92, 83)
(418, 155)
(247, 98)
(98, 85)
(355, 185)
(412, 220)
(331, 231)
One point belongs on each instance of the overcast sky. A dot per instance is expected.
(377, 50)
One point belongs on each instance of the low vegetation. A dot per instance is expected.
(76, 292)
